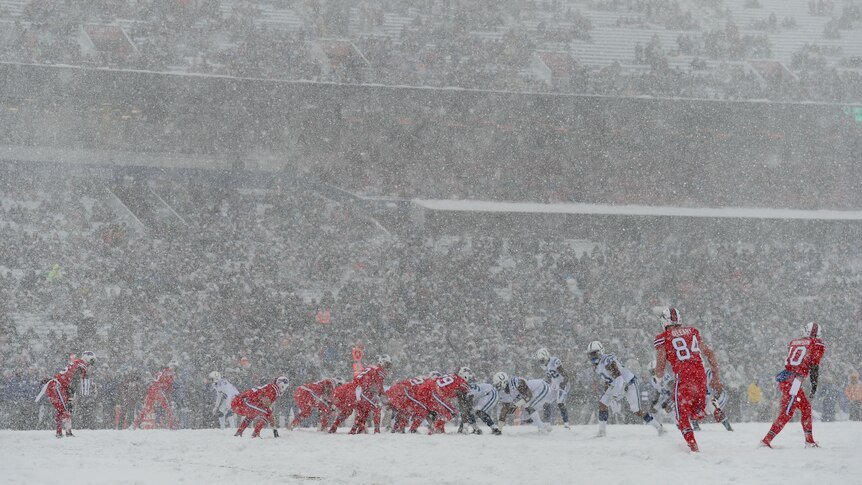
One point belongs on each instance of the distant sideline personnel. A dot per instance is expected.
(681, 346)
(803, 358)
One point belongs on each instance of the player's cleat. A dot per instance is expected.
(547, 428)
(764, 444)
(496, 432)
(812, 444)
(600, 434)
(693, 447)
(695, 425)
(566, 425)
(69, 433)
(275, 433)
(255, 435)
(727, 425)
(59, 434)
(476, 431)
(238, 433)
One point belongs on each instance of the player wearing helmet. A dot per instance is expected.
(158, 393)
(481, 399)
(517, 392)
(58, 390)
(681, 346)
(803, 360)
(361, 396)
(225, 392)
(256, 404)
(558, 378)
(620, 383)
(315, 395)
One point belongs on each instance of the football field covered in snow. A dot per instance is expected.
(629, 454)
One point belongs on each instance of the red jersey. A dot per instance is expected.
(371, 380)
(255, 394)
(802, 354)
(65, 376)
(449, 385)
(682, 348)
(164, 381)
(321, 389)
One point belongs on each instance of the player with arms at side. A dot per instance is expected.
(158, 392)
(558, 378)
(681, 346)
(58, 390)
(225, 392)
(256, 403)
(803, 359)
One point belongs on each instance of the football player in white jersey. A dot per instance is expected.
(517, 392)
(621, 383)
(661, 394)
(558, 378)
(225, 392)
(482, 398)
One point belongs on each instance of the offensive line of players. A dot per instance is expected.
(681, 386)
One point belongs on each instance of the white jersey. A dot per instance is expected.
(484, 396)
(552, 376)
(603, 369)
(538, 387)
(225, 392)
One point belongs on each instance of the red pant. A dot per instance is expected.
(690, 399)
(59, 397)
(155, 396)
(788, 408)
(250, 411)
(307, 402)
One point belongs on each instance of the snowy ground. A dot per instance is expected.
(630, 454)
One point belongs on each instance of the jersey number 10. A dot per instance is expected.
(796, 355)
(682, 350)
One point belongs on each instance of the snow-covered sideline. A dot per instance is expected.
(629, 454)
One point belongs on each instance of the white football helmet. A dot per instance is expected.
(384, 360)
(215, 376)
(173, 364)
(282, 384)
(435, 374)
(544, 355)
(595, 351)
(813, 330)
(466, 373)
(670, 316)
(88, 357)
(501, 379)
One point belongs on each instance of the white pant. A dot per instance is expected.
(486, 403)
(631, 393)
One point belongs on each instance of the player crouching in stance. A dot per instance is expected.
(481, 398)
(621, 383)
(315, 395)
(681, 346)
(361, 396)
(517, 392)
(225, 392)
(58, 389)
(256, 403)
(803, 359)
(557, 377)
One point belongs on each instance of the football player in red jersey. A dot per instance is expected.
(361, 396)
(158, 392)
(803, 359)
(402, 400)
(256, 403)
(681, 346)
(439, 399)
(58, 388)
(315, 395)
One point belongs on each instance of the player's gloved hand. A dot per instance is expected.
(275, 433)
(520, 402)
